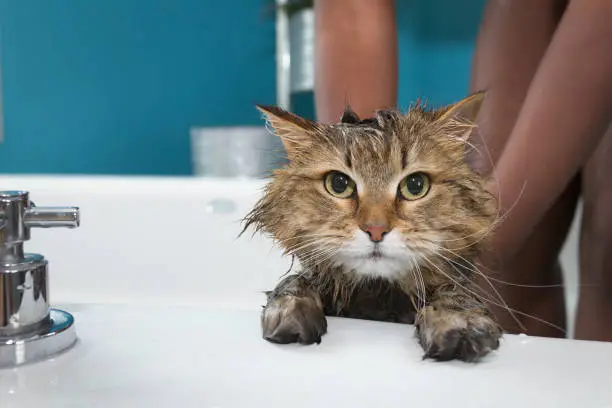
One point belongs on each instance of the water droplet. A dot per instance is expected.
(220, 206)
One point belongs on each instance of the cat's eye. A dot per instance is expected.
(414, 186)
(339, 184)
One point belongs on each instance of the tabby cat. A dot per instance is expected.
(386, 219)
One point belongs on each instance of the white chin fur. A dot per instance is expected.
(395, 261)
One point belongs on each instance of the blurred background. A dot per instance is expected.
(168, 87)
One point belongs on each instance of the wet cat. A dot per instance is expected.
(386, 219)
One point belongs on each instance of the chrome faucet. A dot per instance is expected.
(29, 329)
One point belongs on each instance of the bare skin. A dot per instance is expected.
(568, 107)
(595, 305)
(354, 58)
(542, 95)
(516, 34)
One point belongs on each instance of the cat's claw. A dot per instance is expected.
(468, 339)
(291, 319)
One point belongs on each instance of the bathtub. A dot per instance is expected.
(167, 298)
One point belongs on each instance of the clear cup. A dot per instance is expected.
(235, 151)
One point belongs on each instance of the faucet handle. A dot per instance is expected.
(47, 217)
(18, 214)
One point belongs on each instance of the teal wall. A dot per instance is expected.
(436, 42)
(112, 87)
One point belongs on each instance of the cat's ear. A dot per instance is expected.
(294, 131)
(349, 116)
(462, 115)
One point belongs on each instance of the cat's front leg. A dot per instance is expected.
(456, 325)
(293, 313)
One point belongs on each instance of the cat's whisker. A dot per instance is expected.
(479, 295)
(323, 258)
(328, 257)
(316, 254)
(497, 293)
(417, 287)
(312, 256)
(474, 269)
(485, 298)
(468, 265)
(533, 286)
(421, 280)
(318, 235)
(503, 282)
(303, 245)
(496, 179)
(312, 236)
(484, 232)
(481, 292)
(307, 238)
(307, 255)
(305, 249)
(309, 243)
(453, 253)
(505, 215)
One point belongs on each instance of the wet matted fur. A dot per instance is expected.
(386, 219)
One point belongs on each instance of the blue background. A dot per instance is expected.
(113, 86)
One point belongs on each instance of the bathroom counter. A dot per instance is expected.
(212, 356)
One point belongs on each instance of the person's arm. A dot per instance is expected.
(355, 57)
(567, 109)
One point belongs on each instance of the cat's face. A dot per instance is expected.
(378, 197)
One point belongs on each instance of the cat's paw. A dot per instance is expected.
(292, 319)
(452, 335)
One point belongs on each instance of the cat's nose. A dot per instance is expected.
(376, 232)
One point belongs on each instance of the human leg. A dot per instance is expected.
(513, 38)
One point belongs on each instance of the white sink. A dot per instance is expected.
(167, 299)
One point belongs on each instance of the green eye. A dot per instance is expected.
(414, 186)
(339, 184)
